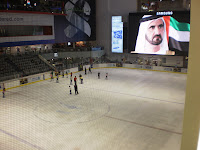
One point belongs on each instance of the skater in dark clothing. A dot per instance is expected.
(4, 90)
(85, 71)
(98, 75)
(106, 76)
(76, 89)
(57, 76)
(70, 90)
(90, 70)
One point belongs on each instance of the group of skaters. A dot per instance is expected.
(57, 80)
(90, 71)
(57, 73)
(99, 75)
(75, 84)
(75, 78)
(71, 78)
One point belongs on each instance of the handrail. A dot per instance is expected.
(44, 60)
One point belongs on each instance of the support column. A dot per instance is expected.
(191, 122)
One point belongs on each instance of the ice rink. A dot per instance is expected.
(132, 110)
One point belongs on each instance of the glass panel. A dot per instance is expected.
(11, 30)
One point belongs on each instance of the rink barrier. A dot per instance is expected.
(10, 84)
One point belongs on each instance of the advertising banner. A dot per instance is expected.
(117, 34)
(79, 24)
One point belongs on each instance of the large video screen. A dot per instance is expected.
(161, 33)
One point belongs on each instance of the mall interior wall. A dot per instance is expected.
(104, 11)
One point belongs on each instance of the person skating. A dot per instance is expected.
(90, 70)
(81, 78)
(85, 71)
(70, 80)
(106, 76)
(70, 90)
(57, 77)
(4, 90)
(76, 89)
(75, 79)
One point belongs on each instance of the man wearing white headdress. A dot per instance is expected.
(152, 38)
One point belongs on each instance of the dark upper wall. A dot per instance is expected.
(104, 10)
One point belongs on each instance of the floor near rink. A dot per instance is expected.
(131, 110)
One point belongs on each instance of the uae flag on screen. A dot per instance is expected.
(178, 34)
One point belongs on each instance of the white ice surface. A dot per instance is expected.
(132, 110)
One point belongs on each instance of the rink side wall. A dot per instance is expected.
(10, 84)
